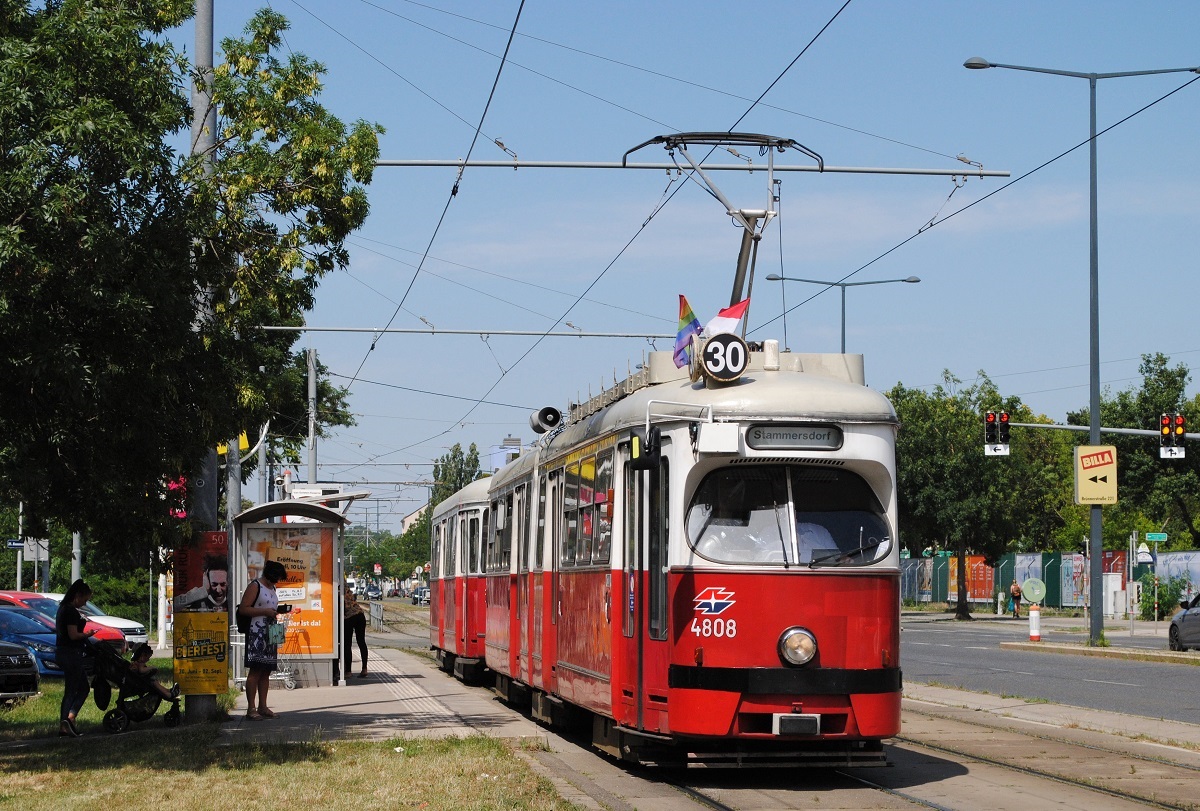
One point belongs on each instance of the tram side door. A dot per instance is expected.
(645, 638)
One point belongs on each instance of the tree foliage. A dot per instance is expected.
(133, 279)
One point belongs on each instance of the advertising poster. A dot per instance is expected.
(1074, 580)
(200, 615)
(980, 580)
(202, 652)
(202, 575)
(306, 552)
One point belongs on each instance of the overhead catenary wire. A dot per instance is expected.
(930, 226)
(450, 198)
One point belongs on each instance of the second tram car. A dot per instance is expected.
(710, 573)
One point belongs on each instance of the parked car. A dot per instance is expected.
(135, 632)
(420, 595)
(1184, 632)
(374, 592)
(49, 607)
(34, 631)
(18, 673)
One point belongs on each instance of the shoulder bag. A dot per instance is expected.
(243, 620)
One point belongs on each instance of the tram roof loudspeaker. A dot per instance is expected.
(545, 419)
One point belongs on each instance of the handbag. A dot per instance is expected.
(242, 619)
(275, 634)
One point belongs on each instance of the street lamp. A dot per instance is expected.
(1095, 590)
(775, 277)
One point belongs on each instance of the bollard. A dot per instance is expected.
(1035, 623)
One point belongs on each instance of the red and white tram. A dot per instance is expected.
(456, 604)
(709, 571)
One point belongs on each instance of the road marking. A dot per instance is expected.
(1017, 672)
(1117, 683)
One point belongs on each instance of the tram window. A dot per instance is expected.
(541, 525)
(839, 520)
(571, 515)
(522, 528)
(473, 544)
(436, 552)
(493, 538)
(741, 515)
(603, 517)
(587, 519)
(504, 552)
(450, 548)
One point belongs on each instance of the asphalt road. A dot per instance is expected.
(967, 655)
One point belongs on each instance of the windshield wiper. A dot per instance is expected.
(845, 557)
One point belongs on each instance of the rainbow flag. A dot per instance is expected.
(688, 326)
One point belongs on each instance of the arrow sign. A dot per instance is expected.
(1096, 479)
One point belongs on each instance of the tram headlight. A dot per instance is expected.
(797, 646)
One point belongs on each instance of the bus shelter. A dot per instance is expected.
(307, 538)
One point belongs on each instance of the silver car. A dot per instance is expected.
(1185, 626)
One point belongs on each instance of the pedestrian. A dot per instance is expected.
(1014, 591)
(355, 625)
(140, 666)
(261, 604)
(69, 651)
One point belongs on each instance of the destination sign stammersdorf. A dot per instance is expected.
(794, 437)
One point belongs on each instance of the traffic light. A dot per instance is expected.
(1165, 437)
(1003, 428)
(1179, 429)
(991, 431)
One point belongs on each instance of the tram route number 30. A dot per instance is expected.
(714, 627)
(725, 357)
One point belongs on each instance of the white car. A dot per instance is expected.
(135, 632)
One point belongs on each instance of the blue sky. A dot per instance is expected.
(1004, 284)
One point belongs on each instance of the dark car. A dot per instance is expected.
(420, 595)
(1185, 626)
(18, 673)
(374, 592)
(34, 631)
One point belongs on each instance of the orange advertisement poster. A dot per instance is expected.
(202, 652)
(980, 580)
(306, 552)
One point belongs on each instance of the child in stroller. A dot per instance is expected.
(138, 694)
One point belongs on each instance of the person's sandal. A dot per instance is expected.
(253, 716)
(265, 713)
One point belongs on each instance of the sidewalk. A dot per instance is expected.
(404, 695)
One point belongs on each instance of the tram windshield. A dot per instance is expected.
(787, 515)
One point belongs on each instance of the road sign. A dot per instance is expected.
(1034, 590)
(1095, 474)
(1156, 536)
(15, 543)
(996, 450)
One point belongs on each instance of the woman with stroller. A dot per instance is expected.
(69, 651)
(260, 603)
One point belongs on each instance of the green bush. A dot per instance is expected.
(1170, 592)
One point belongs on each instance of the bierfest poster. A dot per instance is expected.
(200, 625)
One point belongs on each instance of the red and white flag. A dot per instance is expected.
(727, 320)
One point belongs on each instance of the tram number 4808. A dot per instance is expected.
(725, 357)
(711, 627)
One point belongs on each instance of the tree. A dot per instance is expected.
(949, 493)
(454, 471)
(112, 382)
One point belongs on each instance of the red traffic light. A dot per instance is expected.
(1004, 416)
(1179, 425)
(990, 417)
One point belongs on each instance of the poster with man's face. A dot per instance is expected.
(202, 575)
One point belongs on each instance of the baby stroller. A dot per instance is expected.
(137, 700)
